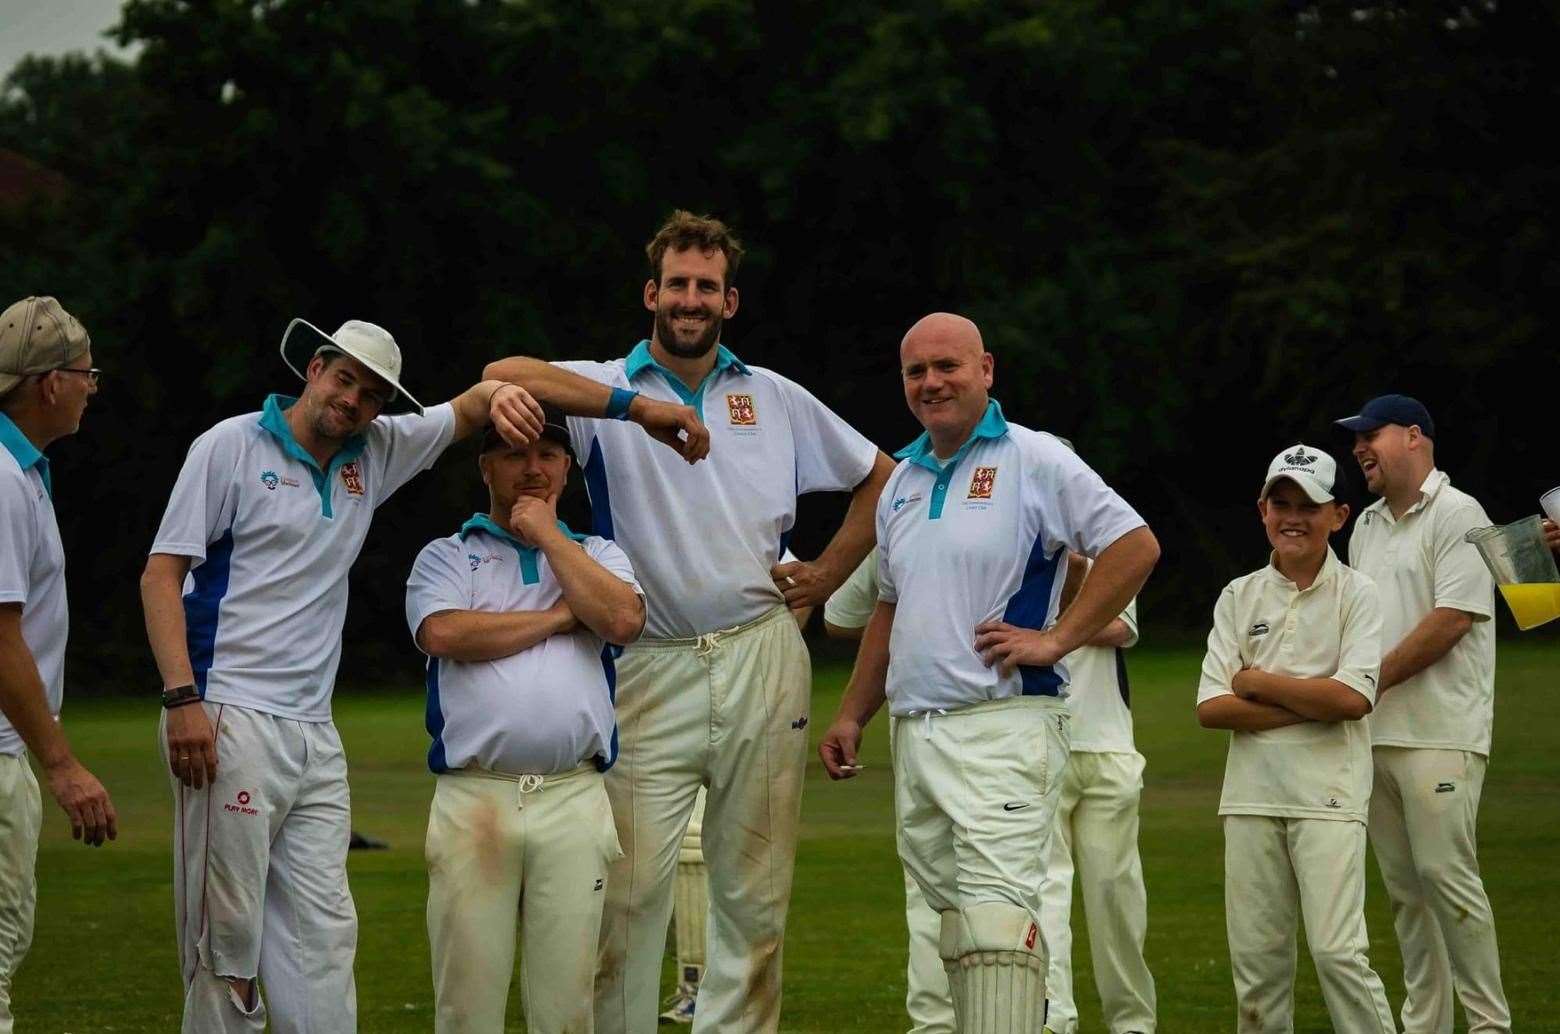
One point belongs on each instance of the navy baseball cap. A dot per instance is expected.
(1390, 409)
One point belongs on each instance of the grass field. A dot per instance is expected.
(103, 957)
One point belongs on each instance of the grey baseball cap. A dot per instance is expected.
(37, 335)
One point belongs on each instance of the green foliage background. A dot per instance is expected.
(1192, 234)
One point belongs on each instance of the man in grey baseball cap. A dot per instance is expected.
(46, 380)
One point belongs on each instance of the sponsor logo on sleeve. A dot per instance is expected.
(352, 477)
(982, 482)
(740, 407)
(904, 501)
(476, 560)
(269, 479)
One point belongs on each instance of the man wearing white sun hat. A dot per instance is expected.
(267, 516)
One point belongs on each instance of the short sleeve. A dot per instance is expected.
(1462, 582)
(1078, 509)
(440, 580)
(410, 444)
(19, 528)
(887, 592)
(582, 429)
(852, 604)
(1222, 660)
(831, 455)
(1129, 617)
(611, 556)
(1359, 653)
(205, 496)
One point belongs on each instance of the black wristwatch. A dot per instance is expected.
(178, 696)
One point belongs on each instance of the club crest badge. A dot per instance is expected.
(741, 409)
(352, 477)
(982, 482)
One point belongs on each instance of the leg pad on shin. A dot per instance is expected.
(690, 911)
(998, 972)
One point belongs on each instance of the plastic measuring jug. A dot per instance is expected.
(1524, 569)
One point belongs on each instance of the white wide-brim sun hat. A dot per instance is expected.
(366, 342)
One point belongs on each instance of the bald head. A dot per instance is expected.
(947, 331)
(947, 374)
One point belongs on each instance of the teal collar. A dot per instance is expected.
(26, 453)
(274, 420)
(529, 575)
(640, 360)
(992, 425)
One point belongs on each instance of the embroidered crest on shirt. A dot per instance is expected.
(982, 482)
(741, 409)
(352, 477)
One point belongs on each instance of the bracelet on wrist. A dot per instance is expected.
(617, 405)
(178, 696)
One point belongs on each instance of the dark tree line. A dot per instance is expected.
(1192, 234)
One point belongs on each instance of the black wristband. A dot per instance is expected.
(178, 696)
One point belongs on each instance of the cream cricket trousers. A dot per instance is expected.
(1275, 870)
(21, 818)
(928, 1001)
(502, 849)
(975, 794)
(1424, 812)
(260, 877)
(1097, 824)
(728, 711)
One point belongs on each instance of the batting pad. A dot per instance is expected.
(997, 968)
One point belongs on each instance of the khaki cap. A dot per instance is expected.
(37, 335)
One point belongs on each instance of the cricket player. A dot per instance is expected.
(691, 893)
(927, 999)
(521, 620)
(972, 528)
(46, 383)
(267, 516)
(1291, 669)
(1096, 827)
(1430, 733)
(717, 692)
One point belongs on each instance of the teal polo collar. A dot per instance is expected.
(26, 453)
(992, 425)
(529, 575)
(273, 419)
(640, 360)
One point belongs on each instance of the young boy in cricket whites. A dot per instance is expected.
(1291, 670)
(521, 620)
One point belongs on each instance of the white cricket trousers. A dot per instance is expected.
(507, 849)
(260, 877)
(928, 1001)
(21, 817)
(1275, 870)
(728, 710)
(1424, 810)
(1097, 825)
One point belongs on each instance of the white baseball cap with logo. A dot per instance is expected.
(1307, 466)
(366, 342)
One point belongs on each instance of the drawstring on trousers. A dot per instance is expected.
(926, 726)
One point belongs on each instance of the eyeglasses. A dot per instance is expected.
(92, 373)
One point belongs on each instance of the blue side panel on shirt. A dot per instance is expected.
(433, 720)
(596, 488)
(1121, 677)
(609, 656)
(202, 605)
(1029, 608)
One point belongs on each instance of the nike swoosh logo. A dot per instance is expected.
(1014, 807)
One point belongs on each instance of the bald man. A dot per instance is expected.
(973, 527)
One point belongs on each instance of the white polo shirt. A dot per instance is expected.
(32, 566)
(852, 604)
(977, 538)
(545, 709)
(703, 538)
(1332, 629)
(271, 537)
(1422, 562)
(1099, 696)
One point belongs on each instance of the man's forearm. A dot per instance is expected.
(481, 635)
(473, 405)
(571, 393)
(1118, 573)
(162, 604)
(603, 602)
(1317, 699)
(857, 533)
(22, 697)
(1231, 712)
(867, 690)
(1426, 643)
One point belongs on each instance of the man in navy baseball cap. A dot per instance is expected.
(1390, 409)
